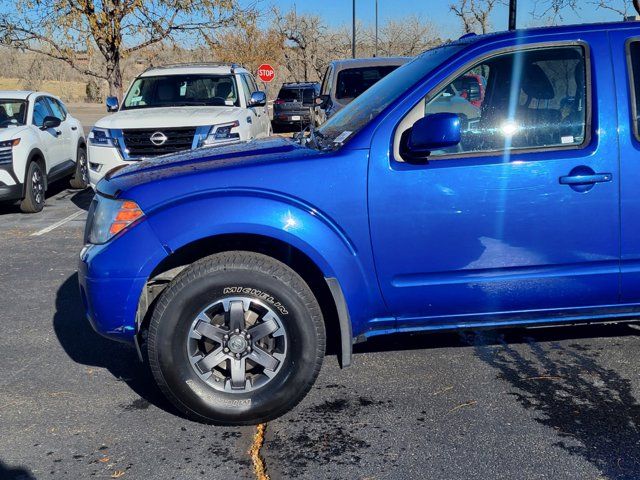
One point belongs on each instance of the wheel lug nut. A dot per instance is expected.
(247, 336)
(238, 355)
(237, 330)
(226, 350)
(226, 337)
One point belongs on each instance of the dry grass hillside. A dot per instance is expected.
(69, 91)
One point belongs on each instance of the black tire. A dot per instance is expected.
(35, 187)
(222, 276)
(80, 179)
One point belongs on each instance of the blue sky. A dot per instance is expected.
(338, 12)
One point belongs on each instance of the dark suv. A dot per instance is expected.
(294, 106)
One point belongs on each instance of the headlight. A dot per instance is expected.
(222, 133)
(101, 137)
(108, 217)
(10, 143)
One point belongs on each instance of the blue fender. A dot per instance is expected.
(280, 217)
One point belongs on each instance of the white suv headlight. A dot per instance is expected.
(101, 137)
(222, 133)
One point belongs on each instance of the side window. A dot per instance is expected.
(528, 99)
(246, 89)
(40, 111)
(633, 55)
(56, 108)
(252, 83)
(326, 81)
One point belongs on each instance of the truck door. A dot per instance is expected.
(520, 217)
(625, 48)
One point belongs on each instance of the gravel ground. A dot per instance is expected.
(552, 403)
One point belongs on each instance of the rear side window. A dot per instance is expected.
(633, 54)
(352, 82)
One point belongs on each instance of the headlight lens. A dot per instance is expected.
(108, 217)
(101, 137)
(223, 133)
(10, 143)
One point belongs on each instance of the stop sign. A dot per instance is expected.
(266, 73)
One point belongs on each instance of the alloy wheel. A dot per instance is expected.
(237, 344)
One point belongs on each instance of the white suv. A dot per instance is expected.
(39, 143)
(178, 107)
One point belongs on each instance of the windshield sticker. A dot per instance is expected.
(342, 137)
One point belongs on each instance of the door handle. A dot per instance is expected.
(585, 179)
(74, 128)
(58, 133)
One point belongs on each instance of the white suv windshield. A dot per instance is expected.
(12, 113)
(182, 90)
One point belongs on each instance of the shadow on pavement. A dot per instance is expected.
(18, 473)
(592, 408)
(81, 198)
(86, 347)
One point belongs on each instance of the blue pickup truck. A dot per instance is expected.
(234, 269)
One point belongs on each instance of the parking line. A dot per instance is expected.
(57, 224)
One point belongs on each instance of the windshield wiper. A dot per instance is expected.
(315, 139)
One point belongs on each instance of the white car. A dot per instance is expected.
(178, 107)
(39, 143)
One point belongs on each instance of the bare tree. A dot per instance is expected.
(474, 14)
(115, 28)
(621, 7)
(303, 37)
(554, 8)
(248, 45)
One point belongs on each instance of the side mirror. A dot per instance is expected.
(322, 101)
(433, 132)
(258, 99)
(112, 104)
(50, 122)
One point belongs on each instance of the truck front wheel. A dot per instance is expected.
(236, 338)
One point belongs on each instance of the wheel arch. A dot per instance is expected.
(326, 289)
(35, 155)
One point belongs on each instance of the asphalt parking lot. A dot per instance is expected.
(552, 403)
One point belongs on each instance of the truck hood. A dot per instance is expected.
(10, 133)
(205, 163)
(169, 117)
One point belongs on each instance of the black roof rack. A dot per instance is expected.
(232, 66)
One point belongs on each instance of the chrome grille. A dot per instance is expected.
(138, 141)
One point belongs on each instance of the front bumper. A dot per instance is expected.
(112, 278)
(109, 304)
(10, 188)
(10, 192)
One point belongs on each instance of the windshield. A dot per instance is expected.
(355, 116)
(352, 82)
(182, 90)
(296, 95)
(12, 112)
